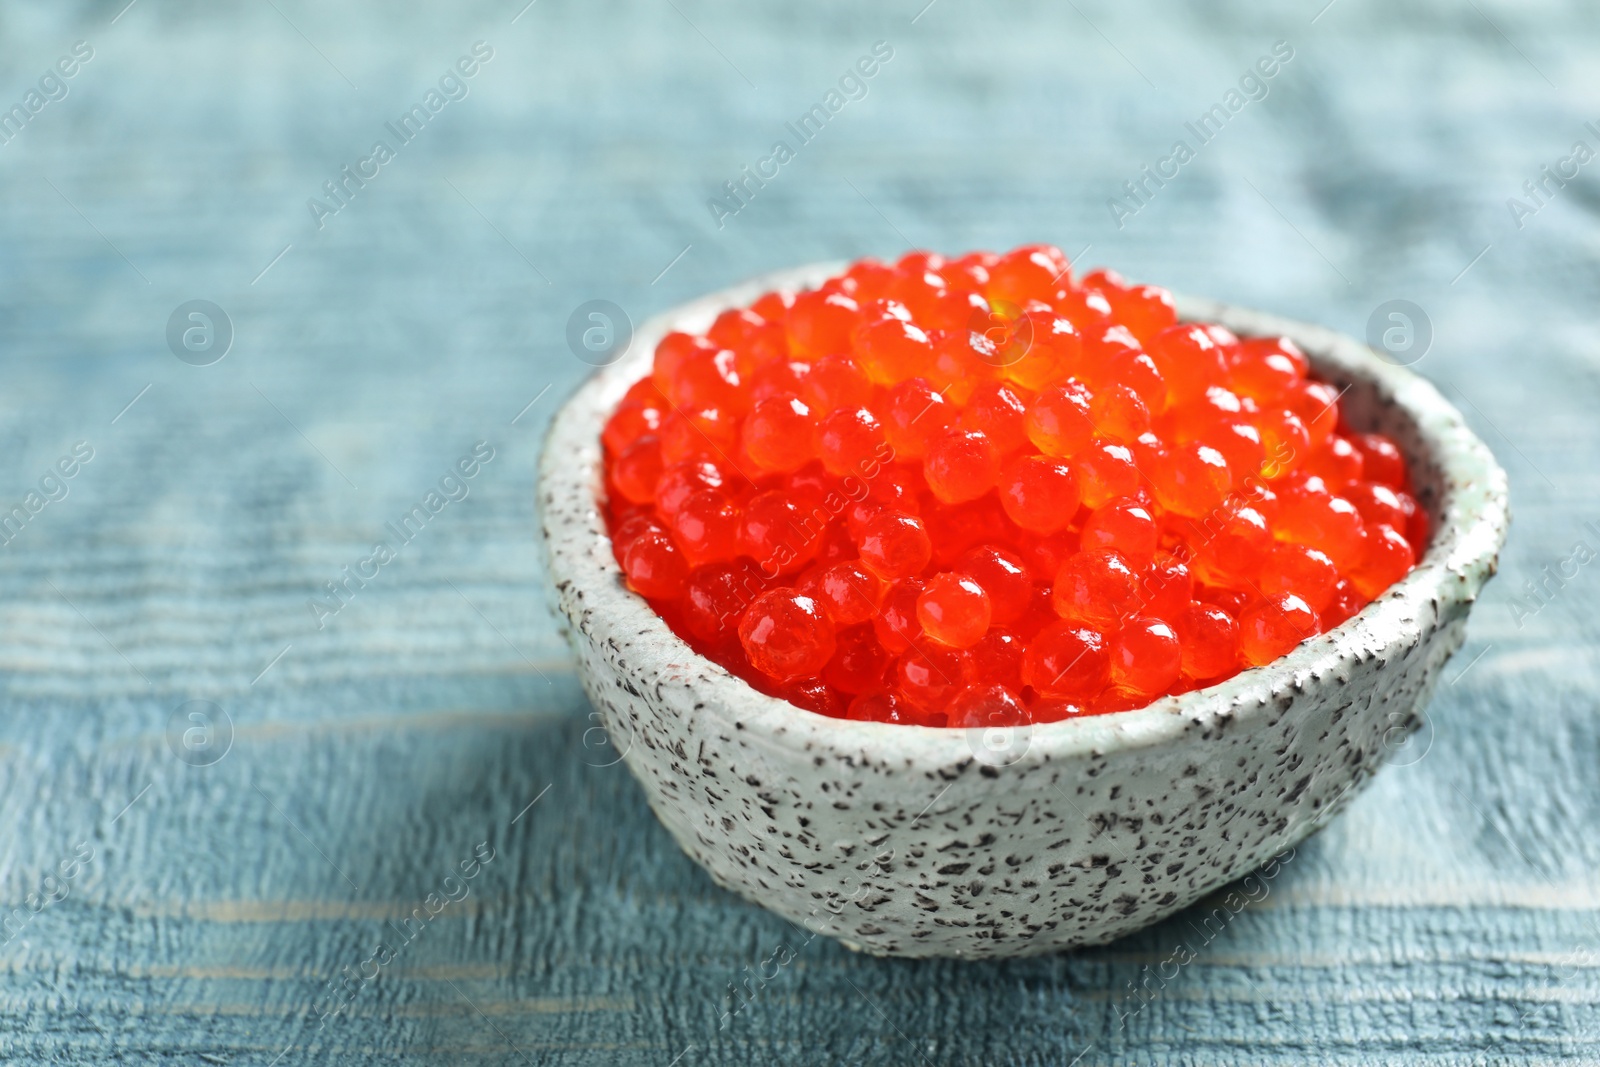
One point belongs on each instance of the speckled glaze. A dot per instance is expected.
(912, 841)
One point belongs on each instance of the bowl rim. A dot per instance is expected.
(1469, 528)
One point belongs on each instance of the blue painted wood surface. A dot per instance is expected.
(205, 914)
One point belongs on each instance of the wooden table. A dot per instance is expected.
(216, 889)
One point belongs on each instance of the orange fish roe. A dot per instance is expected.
(979, 491)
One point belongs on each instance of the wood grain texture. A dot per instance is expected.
(1451, 916)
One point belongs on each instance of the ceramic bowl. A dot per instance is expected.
(915, 841)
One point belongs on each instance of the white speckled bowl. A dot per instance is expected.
(913, 841)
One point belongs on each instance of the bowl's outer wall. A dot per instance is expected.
(917, 842)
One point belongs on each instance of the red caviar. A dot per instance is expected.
(983, 492)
